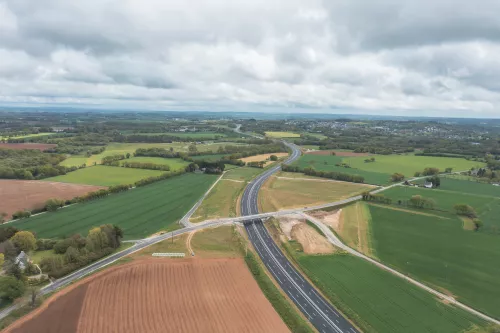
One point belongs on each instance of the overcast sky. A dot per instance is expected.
(404, 57)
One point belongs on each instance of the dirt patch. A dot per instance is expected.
(408, 211)
(263, 157)
(155, 295)
(62, 312)
(295, 227)
(312, 242)
(30, 194)
(331, 219)
(287, 223)
(37, 146)
(337, 153)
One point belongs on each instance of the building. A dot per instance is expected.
(22, 260)
(428, 185)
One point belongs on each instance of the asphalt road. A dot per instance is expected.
(314, 307)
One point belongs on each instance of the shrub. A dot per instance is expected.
(20, 214)
(53, 204)
(11, 288)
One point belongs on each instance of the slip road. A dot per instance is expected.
(319, 312)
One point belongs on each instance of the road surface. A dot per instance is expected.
(314, 307)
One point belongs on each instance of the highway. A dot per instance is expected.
(314, 307)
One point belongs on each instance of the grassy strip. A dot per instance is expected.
(289, 315)
(315, 227)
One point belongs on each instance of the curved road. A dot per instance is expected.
(319, 312)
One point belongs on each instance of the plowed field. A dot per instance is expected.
(29, 194)
(159, 295)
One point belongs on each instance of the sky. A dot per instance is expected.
(399, 57)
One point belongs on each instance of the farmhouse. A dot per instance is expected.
(22, 260)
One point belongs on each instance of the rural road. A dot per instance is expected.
(314, 307)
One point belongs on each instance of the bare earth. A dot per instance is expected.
(262, 157)
(38, 146)
(312, 242)
(29, 194)
(337, 153)
(159, 295)
(331, 219)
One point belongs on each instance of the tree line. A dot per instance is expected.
(324, 174)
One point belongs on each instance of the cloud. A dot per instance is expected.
(435, 57)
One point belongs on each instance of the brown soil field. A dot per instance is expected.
(39, 146)
(159, 295)
(263, 157)
(30, 194)
(338, 153)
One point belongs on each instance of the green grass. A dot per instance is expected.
(105, 175)
(310, 147)
(327, 163)
(194, 135)
(318, 136)
(282, 135)
(409, 164)
(173, 163)
(74, 161)
(215, 157)
(487, 207)
(124, 148)
(243, 173)
(140, 212)
(220, 202)
(442, 254)
(380, 302)
(468, 187)
(37, 256)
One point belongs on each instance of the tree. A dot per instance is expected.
(430, 171)
(7, 232)
(2, 260)
(465, 210)
(97, 240)
(273, 158)
(9, 250)
(192, 148)
(397, 177)
(11, 288)
(127, 155)
(53, 204)
(448, 170)
(477, 224)
(72, 254)
(34, 292)
(435, 180)
(417, 174)
(24, 240)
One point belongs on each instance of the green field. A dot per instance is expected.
(220, 202)
(173, 163)
(442, 254)
(140, 212)
(409, 164)
(282, 135)
(327, 163)
(124, 148)
(487, 207)
(105, 176)
(215, 157)
(378, 301)
(466, 186)
(74, 160)
(194, 135)
(243, 173)
(318, 136)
